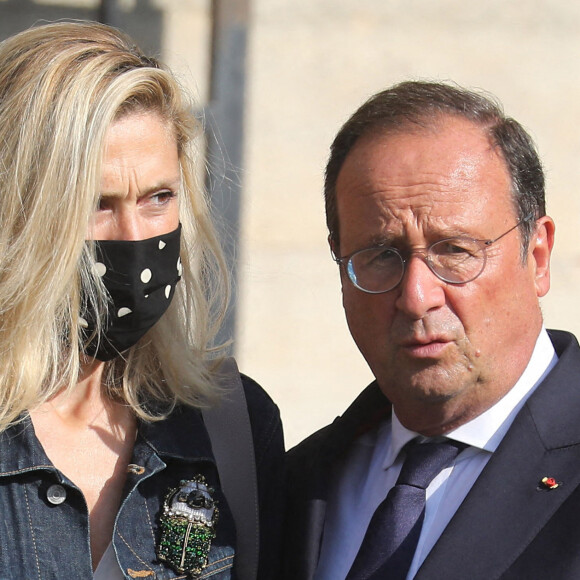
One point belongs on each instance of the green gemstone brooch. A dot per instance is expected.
(188, 520)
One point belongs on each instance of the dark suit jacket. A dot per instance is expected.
(509, 525)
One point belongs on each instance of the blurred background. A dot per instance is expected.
(276, 79)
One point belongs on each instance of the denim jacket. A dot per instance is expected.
(44, 522)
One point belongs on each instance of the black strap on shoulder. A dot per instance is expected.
(228, 425)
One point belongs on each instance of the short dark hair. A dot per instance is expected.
(421, 103)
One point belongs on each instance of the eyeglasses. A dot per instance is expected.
(454, 260)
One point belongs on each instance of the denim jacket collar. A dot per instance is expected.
(165, 453)
(21, 451)
(181, 436)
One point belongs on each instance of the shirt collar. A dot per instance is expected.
(400, 436)
(488, 429)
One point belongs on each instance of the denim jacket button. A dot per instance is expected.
(56, 494)
(135, 469)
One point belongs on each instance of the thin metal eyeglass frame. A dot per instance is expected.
(344, 260)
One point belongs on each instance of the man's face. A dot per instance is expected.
(441, 353)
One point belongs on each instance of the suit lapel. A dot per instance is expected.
(318, 458)
(508, 505)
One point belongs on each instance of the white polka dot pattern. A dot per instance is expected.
(100, 269)
(140, 277)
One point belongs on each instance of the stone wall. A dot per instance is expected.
(311, 63)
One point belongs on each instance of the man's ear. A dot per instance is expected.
(335, 251)
(541, 244)
(332, 245)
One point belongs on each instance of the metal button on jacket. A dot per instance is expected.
(56, 494)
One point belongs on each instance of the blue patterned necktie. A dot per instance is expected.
(391, 539)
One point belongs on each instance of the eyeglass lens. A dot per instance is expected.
(455, 260)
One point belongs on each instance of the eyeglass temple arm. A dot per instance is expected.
(336, 258)
(518, 224)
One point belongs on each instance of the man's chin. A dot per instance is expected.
(431, 384)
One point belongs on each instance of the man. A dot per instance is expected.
(435, 206)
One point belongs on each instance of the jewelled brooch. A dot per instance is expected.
(188, 520)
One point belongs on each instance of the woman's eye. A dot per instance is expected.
(163, 196)
(104, 204)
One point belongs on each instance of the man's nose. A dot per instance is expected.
(420, 289)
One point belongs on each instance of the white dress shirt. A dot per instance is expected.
(373, 464)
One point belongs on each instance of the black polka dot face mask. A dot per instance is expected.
(140, 277)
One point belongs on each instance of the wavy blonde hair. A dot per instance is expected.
(61, 86)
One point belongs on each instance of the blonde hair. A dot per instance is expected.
(61, 87)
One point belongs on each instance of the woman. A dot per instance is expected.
(111, 288)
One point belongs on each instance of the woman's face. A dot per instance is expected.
(140, 180)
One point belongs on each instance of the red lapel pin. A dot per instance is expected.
(549, 483)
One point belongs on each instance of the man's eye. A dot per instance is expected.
(386, 255)
(451, 247)
(455, 249)
(376, 258)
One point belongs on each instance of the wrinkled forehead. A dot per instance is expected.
(428, 140)
(447, 176)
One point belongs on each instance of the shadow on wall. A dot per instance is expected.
(143, 21)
